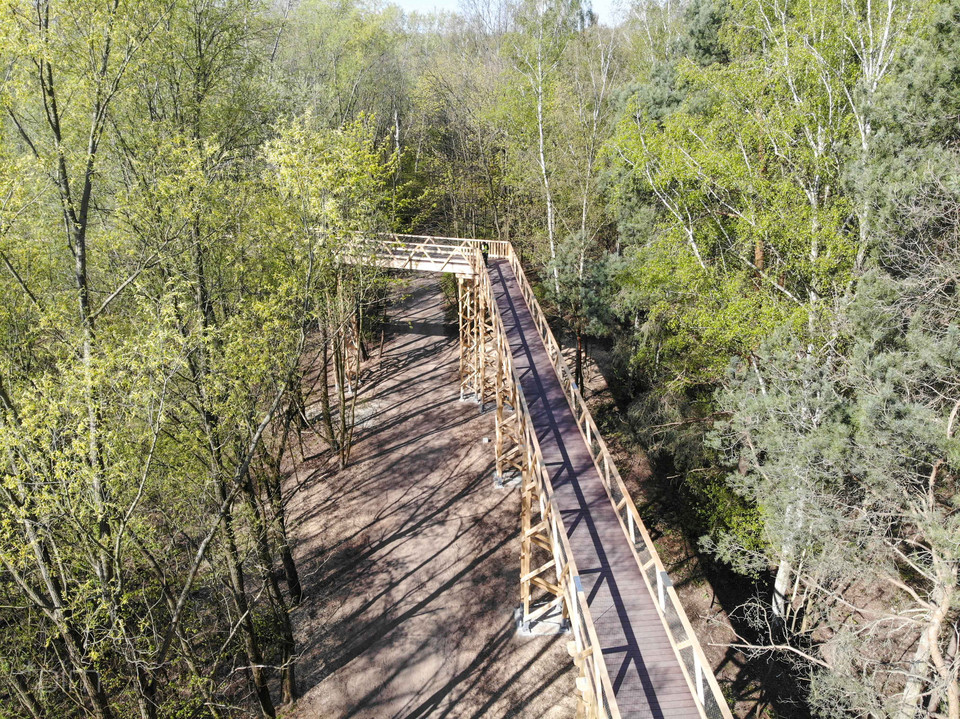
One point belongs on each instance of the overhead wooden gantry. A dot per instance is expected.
(585, 553)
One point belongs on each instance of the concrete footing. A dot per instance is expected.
(511, 480)
(550, 624)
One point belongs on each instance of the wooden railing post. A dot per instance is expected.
(464, 326)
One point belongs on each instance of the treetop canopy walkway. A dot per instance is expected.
(585, 552)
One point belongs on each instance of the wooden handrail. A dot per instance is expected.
(627, 512)
(408, 251)
(498, 248)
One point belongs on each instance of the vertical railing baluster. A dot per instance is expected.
(698, 668)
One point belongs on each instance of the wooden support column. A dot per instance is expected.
(509, 441)
(463, 313)
(479, 348)
(469, 307)
(493, 345)
(541, 580)
(528, 496)
(479, 355)
(586, 701)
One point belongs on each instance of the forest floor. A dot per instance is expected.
(410, 556)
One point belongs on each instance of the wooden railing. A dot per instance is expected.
(693, 662)
(421, 252)
(498, 248)
(596, 679)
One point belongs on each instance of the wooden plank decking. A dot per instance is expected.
(643, 666)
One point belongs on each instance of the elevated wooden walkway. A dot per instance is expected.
(640, 660)
(585, 551)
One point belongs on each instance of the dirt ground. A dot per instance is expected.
(410, 556)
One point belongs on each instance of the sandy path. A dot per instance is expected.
(410, 556)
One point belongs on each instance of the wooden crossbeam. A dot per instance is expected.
(538, 571)
(548, 586)
(537, 528)
(542, 542)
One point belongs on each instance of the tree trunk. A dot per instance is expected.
(340, 378)
(781, 586)
(544, 176)
(578, 372)
(90, 678)
(288, 682)
(247, 628)
(326, 413)
(918, 676)
(25, 696)
(928, 655)
(278, 512)
(58, 612)
(351, 423)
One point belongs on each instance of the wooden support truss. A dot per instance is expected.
(510, 455)
(480, 345)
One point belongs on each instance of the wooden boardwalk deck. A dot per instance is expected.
(643, 667)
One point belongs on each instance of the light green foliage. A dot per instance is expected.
(746, 170)
(134, 421)
(457, 177)
(335, 180)
(693, 320)
(342, 59)
(849, 441)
